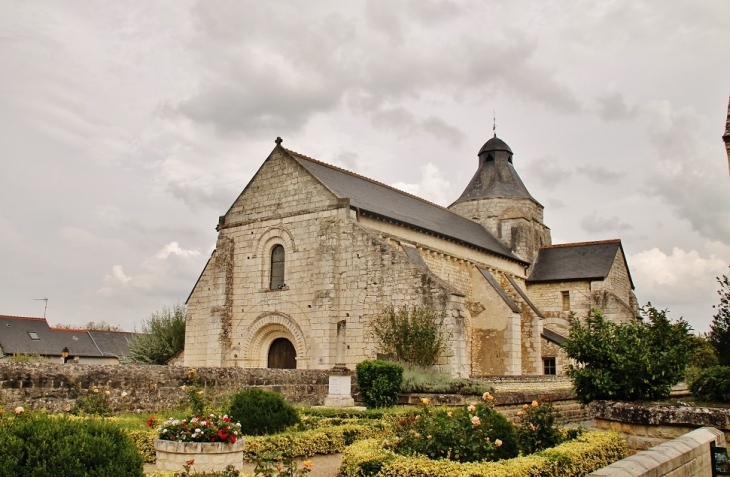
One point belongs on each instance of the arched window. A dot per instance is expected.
(277, 268)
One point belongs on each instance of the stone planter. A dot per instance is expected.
(208, 456)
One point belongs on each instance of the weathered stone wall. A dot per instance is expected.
(646, 425)
(54, 387)
(614, 295)
(684, 456)
(518, 223)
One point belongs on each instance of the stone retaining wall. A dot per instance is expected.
(144, 388)
(685, 456)
(646, 425)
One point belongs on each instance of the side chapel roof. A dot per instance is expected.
(576, 261)
(381, 201)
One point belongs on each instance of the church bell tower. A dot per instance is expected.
(498, 200)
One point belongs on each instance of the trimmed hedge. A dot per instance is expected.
(144, 441)
(379, 382)
(329, 440)
(38, 445)
(712, 384)
(588, 452)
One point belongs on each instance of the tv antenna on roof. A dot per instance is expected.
(494, 123)
(44, 309)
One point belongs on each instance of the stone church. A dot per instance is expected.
(309, 253)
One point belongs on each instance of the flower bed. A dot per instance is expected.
(588, 452)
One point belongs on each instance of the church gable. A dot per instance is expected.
(280, 188)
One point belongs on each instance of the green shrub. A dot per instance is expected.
(420, 380)
(468, 434)
(261, 412)
(411, 334)
(94, 402)
(536, 429)
(588, 452)
(379, 383)
(642, 359)
(37, 445)
(712, 385)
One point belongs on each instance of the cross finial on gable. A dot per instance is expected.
(279, 141)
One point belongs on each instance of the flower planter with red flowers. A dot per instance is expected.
(211, 443)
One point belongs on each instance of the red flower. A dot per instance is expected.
(222, 434)
(149, 423)
(227, 419)
(233, 439)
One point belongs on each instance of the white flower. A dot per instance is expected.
(238, 424)
(212, 415)
(19, 410)
(124, 393)
(197, 430)
(164, 431)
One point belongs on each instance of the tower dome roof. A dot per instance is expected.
(495, 144)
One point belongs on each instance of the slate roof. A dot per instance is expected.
(112, 343)
(15, 338)
(550, 335)
(497, 177)
(576, 261)
(500, 291)
(381, 201)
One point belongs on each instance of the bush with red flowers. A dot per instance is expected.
(200, 429)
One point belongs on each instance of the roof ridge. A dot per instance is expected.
(580, 244)
(75, 330)
(13, 317)
(359, 176)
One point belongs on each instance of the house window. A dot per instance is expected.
(566, 300)
(548, 366)
(33, 335)
(277, 268)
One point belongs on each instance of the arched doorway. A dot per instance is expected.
(282, 354)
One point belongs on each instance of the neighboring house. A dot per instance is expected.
(33, 336)
(309, 254)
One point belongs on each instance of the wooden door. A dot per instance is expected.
(282, 354)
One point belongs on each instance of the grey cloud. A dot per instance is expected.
(433, 12)
(613, 107)
(687, 173)
(441, 130)
(556, 204)
(594, 223)
(547, 173)
(372, 66)
(601, 175)
(197, 197)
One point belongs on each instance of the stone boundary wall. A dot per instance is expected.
(55, 387)
(685, 456)
(646, 425)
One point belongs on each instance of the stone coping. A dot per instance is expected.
(178, 447)
(502, 399)
(658, 415)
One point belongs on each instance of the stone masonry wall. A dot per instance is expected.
(646, 425)
(54, 387)
(685, 456)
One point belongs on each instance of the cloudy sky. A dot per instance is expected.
(127, 128)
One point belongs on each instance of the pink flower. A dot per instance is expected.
(476, 421)
(471, 408)
(498, 443)
(19, 410)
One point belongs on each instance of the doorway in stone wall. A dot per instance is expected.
(282, 354)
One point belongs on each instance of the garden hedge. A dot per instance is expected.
(588, 452)
(328, 440)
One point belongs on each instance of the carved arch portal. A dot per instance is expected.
(264, 331)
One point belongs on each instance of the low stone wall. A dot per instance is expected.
(646, 425)
(685, 456)
(55, 387)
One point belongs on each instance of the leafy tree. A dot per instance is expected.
(703, 355)
(411, 334)
(720, 326)
(92, 325)
(642, 359)
(163, 335)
